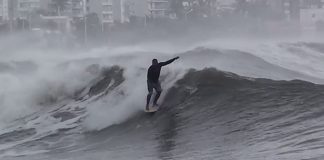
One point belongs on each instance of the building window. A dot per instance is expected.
(107, 16)
(107, 8)
(107, 1)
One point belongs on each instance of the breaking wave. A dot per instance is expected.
(217, 103)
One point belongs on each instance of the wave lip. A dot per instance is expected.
(245, 63)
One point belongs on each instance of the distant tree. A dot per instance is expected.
(60, 5)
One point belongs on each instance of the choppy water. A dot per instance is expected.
(224, 104)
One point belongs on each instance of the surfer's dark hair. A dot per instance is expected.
(155, 61)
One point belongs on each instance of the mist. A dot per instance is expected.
(50, 69)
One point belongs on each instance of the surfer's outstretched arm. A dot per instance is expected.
(168, 62)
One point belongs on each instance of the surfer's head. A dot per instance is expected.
(155, 61)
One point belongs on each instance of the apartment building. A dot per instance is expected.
(113, 11)
(158, 8)
(79, 8)
(107, 12)
(12, 9)
(4, 10)
(291, 9)
(25, 7)
(312, 14)
(306, 4)
(104, 10)
(119, 11)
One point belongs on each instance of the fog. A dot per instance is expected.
(47, 67)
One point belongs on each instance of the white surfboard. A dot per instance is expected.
(152, 109)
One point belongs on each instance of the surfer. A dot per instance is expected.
(153, 75)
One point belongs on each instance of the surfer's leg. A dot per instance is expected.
(149, 95)
(158, 89)
(157, 96)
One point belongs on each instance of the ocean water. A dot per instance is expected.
(224, 99)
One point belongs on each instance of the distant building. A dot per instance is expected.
(308, 4)
(225, 2)
(25, 7)
(158, 8)
(107, 12)
(312, 14)
(79, 8)
(292, 9)
(13, 9)
(4, 10)
(112, 12)
(116, 11)
(138, 8)
(289, 9)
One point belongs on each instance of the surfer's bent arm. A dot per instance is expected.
(168, 62)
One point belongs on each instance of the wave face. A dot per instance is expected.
(218, 103)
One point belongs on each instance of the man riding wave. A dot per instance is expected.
(153, 75)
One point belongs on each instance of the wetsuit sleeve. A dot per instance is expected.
(168, 62)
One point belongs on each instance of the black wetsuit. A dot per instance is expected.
(153, 75)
